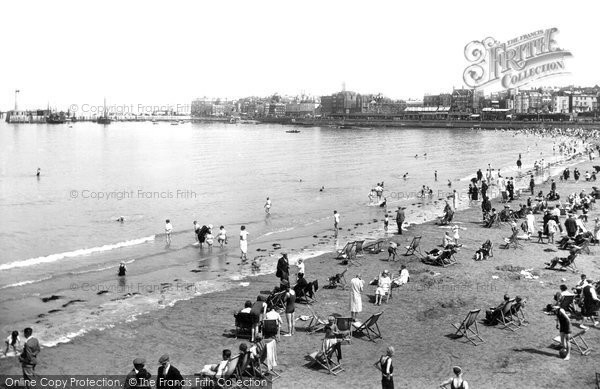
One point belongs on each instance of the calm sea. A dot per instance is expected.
(59, 235)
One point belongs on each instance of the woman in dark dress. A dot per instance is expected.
(290, 307)
(387, 369)
(475, 193)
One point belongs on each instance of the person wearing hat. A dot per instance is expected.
(283, 268)
(168, 376)
(400, 219)
(383, 286)
(138, 376)
(571, 226)
(122, 269)
(456, 382)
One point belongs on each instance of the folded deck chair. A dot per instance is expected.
(338, 279)
(316, 323)
(578, 341)
(325, 357)
(374, 247)
(359, 247)
(506, 317)
(270, 329)
(243, 324)
(468, 328)
(441, 258)
(414, 246)
(370, 328)
(346, 251)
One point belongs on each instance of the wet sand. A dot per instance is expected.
(416, 321)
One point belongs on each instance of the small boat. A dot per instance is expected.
(175, 123)
(154, 122)
(104, 119)
(293, 131)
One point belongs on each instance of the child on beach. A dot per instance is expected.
(386, 222)
(222, 237)
(168, 230)
(456, 236)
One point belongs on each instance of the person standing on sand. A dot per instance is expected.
(386, 222)
(384, 364)
(168, 230)
(531, 184)
(28, 357)
(243, 243)
(290, 307)
(283, 269)
(563, 325)
(168, 376)
(435, 175)
(356, 288)
(457, 381)
(336, 221)
(400, 219)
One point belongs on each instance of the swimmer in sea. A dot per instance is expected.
(268, 206)
(39, 171)
(121, 219)
(122, 269)
(449, 183)
(322, 189)
(405, 176)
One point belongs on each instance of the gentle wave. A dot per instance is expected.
(21, 283)
(76, 253)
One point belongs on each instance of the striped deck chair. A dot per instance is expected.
(346, 251)
(468, 328)
(324, 357)
(344, 324)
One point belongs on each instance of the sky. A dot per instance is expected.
(144, 53)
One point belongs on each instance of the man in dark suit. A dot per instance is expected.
(571, 226)
(28, 357)
(168, 376)
(283, 268)
(400, 219)
(138, 377)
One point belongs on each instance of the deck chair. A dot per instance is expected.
(493, 222)
(270, 329)
(567, 303)
(567, 263)
(243, 324)
(324, 357)
(316, 323)
(230, 371)
(338, 279)
(468, 328)
(413, 247)
(506, 317)
(518, 313)
(308, 294)
(344, 324)
(277, 300)
(513, 241)
(443, 258)
(345, 252)
(370, 328)
(359, 247)
(374, 247)
(267, 362)
(578, 341)
(352, 259)
(243, 367)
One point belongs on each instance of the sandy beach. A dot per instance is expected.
(416, 321)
